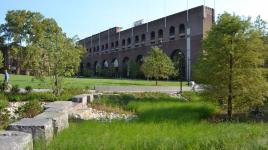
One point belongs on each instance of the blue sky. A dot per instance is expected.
(86, 17)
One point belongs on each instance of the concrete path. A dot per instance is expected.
(164, 89)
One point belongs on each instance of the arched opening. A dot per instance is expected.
(182, 30)
(160, 33)
(96, 68)
(105, 64)
(152, 35)
(178, 58)
(88, 65)
(140, 59)
(125, 67)
(81, 68)
(115, 67)
(172, 31)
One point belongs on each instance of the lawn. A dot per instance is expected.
(163, 123)
(24, 81)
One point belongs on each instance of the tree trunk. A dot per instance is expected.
(156, 81)
(230, 89)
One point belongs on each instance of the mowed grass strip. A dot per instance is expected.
(24, 81)
(163, 123)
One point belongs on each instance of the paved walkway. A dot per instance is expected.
(164, 89)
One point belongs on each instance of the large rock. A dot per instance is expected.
(40, 128)
(59, 119)
(80, 99)
(59, 106)
(14, 140)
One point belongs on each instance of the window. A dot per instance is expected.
(137, 39)
(98, 48)
(172, 31)
(152, 35)
(123, 42)
(90, 50)
(102, 47)
(94, 49)
(182, 30)
(143, 37)
(106, 46)
(112, 45)
(160, 33)
(116, 44)
(128, 41)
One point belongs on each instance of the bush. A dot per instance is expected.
(30, 109)
(3, 101)
(4, 118)
(28, 89)
(15, 89)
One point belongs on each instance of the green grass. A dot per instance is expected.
(163, 123)
(24, 81)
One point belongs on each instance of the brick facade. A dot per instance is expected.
(113, 46)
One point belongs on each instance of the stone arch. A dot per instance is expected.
(115, 63)
(125, 67)
(178, 57)
(105, 64)
(96, 67)
(114, 67)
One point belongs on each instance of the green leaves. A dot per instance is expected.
(158, 65)
(241, 39)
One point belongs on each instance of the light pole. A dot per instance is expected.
(181, 56)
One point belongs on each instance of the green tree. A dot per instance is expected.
(230, 64)
(20, 30)
(158, 65)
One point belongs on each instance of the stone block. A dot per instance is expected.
(59, 119)
(59, 106)
(64, 105)
(80, 99)
(14, 140)
(40, 128)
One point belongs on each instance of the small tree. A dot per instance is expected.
(158, 65)
(230, 65)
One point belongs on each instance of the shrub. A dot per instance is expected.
(3, 101)
(15, 89)
(4, 118)
(30, 109)
(28, 89)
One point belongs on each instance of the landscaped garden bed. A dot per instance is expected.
(162, 122)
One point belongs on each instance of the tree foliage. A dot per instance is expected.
(230, 66)
(158, 65)
(40, 47)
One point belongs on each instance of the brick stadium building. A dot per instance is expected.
(177, 34)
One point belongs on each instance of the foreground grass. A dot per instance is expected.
(163, 123)
(24, 81)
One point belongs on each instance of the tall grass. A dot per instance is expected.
(163, 123)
